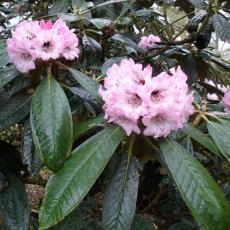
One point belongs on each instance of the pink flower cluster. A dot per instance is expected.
(135, 100)
(147, 42)
(226, 102)
(44, 40)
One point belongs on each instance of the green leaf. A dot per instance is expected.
(198, 189)
(30, 157)
(201, 138)
(14, 110)
(108, 63)
(220, 132)
(106, 3)
(121, 196)
(190, 69)
(222, 26)
(141, 224)
(198, 3)
(92, 50)
(66, 189)
(126, 7)
(68, 17)
(51, 123)
(14, 205)
(4, 58)
(76, 220)
(127, 41)
(7, 74)
(87, 82)
(82, 127)
(100, 23)
(59, 6)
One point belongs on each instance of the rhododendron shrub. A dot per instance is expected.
(108, 105)
(133, 96)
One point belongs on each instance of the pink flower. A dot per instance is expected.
(132, 95)
(31, 41)
(48, 45)
(147, 42)
(226, 102)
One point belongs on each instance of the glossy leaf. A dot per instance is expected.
(66, 189)
(4, 58)
(30, 157)
(76, 220)
(121, 196)
(51, 123)
(108, 63)
(92, 50)
(222, 26)
(198, 189)
(201, 138)
(7, 74)
(100, 23)
(14, 110)
(59, 6)
(141, 224)
(14, 205)
(220, 132)
(87, 82)
(127, 41)
(80, 128)
(89, 102)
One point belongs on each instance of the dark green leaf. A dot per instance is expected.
(220, 132)
(100, 23)
(7, 74)
(222, 26)
(30, 157)
(198, 3)
(87, 82)
(121, 195)
(86, 6)
(14, 110)
(200, 137)
(51, 123)
(108, 63)
(68, 17)
(71, 183)
(81, 127)
(59, 6)
(126, 7)
(127, 41)
(4, 58)
(140, 224)
(92, 50)
(89, 102)
(190, 69)
(76, 220)
(198, 189)
(14, 205)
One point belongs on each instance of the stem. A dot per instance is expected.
(130, 151)
(49, 70)
(211, 115)
(61, 64)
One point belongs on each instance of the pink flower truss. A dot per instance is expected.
(147, 42)
(226, 102)
(133, 96)
(45, 41)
